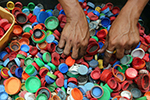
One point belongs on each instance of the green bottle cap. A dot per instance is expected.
(72, 75)
(53, 67)
(63, 88)
(27, 29)
(28, 61)
(30, 69)
(1, 66)
(46, 57)
(124, 68)
(31, 6)
(39, 62)
(130, 59)
(106, 94)
(51, 75)
(51, 23)
(41, 97)
(142, 98)
(110, 90)
(95, 37)
(55, 85)
(49, 32)
(21, 56)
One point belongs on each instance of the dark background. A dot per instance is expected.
(50, 4)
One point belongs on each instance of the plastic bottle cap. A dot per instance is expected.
(17, 29)
(115, 10)
(19, 5)
(89, 86)
(18, 72)
(28, 61)
(50, 38)
(92, 49)
(131, 73)
(4, 96)
(12, 85)
(51, 23)
(138, 63)
(39, 62)
(3, 22)
(76, 94)
(41, 97)
(21, 18)
(33, 51)
(112, 83)
(136, 92)
(63, 68)
(46, 57)
(24, 41)
(106, 94)
(37, 33)
(2, 88)
(101, 34)
(30, 69)
(124, 68)
(93, 63)
(83, 70)
(105, 22)
(42, 16)
(125, 60)
(59, 50)
(39, 40)
(31, 6)
(25, 48)
(125, 85)
(127, 94)
(60, 82)
(10, 5)
(3, 54)
(69, 61)
(97, 91)
(139, 52)
(32, 84)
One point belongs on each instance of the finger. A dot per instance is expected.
(108, 55)
(104, 46)
(120, 53)
(75, 52)
(61, 43)
(82, 51)
(67, 48)
(135, 45)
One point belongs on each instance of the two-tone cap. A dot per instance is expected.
(49, 80)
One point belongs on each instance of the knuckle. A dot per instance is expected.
(119, 56)
(66, 52)
(74, 56)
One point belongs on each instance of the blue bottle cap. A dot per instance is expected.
(34, 24)
(18, 72)
(93, 63)
(50, 38)
(89, 86)
(83, 70)
(2, 88)
(138, 45)
(49, 80)
(82, 89)
(109, 14)
(48, 67)
(85, 98)
(3, 96)
(62, 95)
(25, 48)
(97, 91)
(65, 83)
(63, 68)
(117, 62)
(17, 61)
(9, 73)
(136, 92)
(72, 85)
(6, 62)
(88, 19)
(96, 13)
(90, 10)
(101, 44)
(42, 16)
(36, 10)
(26, 11)
(105, 22)
(39, 55)
(2, 54)
(108, 28)
(61, 12)
(81, 1)
(90, 4)
(49, 12)
(56, 42)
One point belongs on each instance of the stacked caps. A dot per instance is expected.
(34, 67)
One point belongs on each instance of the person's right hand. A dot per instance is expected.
(75, 35)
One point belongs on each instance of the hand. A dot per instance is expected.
(123, 35)
(75, 36)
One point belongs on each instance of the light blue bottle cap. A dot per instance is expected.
(3, 96)
(65, 83)
(62, 95)
(89, 86)
(36, 10)
(82, 89)
(42, 16)
(26, 11)
(17, 61)
(2, 88)
(72, 85)
(50, 38)
(63, 68)
(83, 70)
(48, 67)
(97, 91)
(93, 63)
(9, 73)
(25, 48)
(6, 62)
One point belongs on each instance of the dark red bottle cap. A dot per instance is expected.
(6, 27)
(33, 50)
(55, 58)
(57, 32)
(19, 5)
(73, 80)
(51, 47)
(115, 10)
(21, 18)
(101, 34)
(125, 85)
(118, 87)
(112, 83)
(92, 48)
(16, 10)
(106, 75)
(59, 7)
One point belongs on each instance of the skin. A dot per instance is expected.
(123, 34)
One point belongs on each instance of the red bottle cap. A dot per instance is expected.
(30, 15)
(88, 57)
(112, 83)
(131, 73)
(92, 48)
(36, 66)
(33, 50)
(101, 34)
(113, 94)
(59, 7)
(51, 47)
(21, 62)
(115, 10)
(19, 5)
(105, 75)
(88, 94)
(95, 74)
(73, 80)
(60, 82)
(60, 75)
(2, 31)
(85, 63)
(16, 10)
(23, 53)
(118, 87)
(55, 58)
(60, 17)
(12, 55)
(3, 22)
(57, 32)
(6, 27)
(43, 72)
(146, 57)
(110, 5)
(21, 18)
(33, 19)
(125, 85)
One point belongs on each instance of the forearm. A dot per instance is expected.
(134, 8)
(72, 8)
